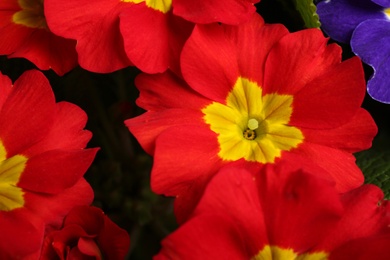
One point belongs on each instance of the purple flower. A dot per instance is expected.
(366, 25)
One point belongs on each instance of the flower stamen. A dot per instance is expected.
(253, 124)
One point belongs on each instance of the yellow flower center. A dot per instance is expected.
(31, 15)
(277, 253)
(387, 12)
(159, 5)
(11, 196)
(253, 126)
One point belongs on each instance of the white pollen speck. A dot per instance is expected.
(253, 124)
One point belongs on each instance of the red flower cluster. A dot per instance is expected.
(42, 163)
(149, 34)
(110, 34)
(255, 139)
(252, 130)
(248, 106)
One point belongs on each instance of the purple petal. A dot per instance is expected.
(383, 3)
(371, 42)
(340, 17)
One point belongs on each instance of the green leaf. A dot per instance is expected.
(375, 164)
(307, 9)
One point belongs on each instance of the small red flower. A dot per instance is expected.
(86, 234)
(282, 212)
(42, 162)
(252, 94)
(24, 33)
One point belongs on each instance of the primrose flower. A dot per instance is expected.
(282, 212)
(365, 25)
(42, 162)
(86, 233)
(25, 34)
(252, 94)
(114, 34)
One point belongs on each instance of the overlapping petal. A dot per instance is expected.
(278, 212)
(153, 39)
(28, 37)
(86, 233)
(208, 11)
(317, 59)
(95, 26)
(115, 34)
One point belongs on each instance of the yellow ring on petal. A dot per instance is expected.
(11, 196)
(31, 15)
(277, 253)
(163, 6)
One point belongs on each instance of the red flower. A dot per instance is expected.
(209, 11)
(115, 34)
(252, 94)
(24, 33)
(282, 212)
(86, 233)
(42, 162)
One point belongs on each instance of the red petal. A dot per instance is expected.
(148, 126)
(339, 164)
(22, 234)
(28, 113)
(48, 51)
(10, 5)
(12, 36)
(5, 89)
(53, 208)
(365, 248)
(161, 91)
(58, 243)
(364, 216)
(56, 170)
(153, 40)
(299, 208)
(146, 39)
(114, 241)
(89, 247)
(354, 136)
(205, 237)
(91, 219)
(209, 62)
(66, 132)
(251, 55)
(331, 99)
(95, 26)
(216, 55)
(297, 59)
(209, 11)
(178, 147)
(233, 192)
